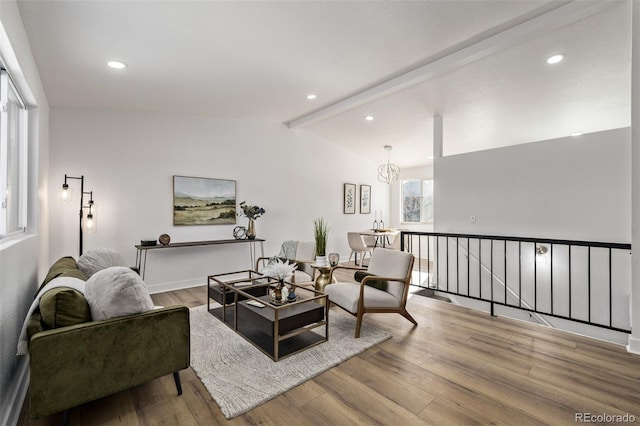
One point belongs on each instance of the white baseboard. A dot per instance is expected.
(634, 345)
(175, 285)
(13, 399)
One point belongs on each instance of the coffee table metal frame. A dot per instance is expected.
(300, 316)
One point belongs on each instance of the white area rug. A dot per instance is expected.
(240, 377)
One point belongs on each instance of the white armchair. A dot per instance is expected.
(383, 289)
(301, 252)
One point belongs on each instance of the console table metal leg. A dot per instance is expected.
(143, 265)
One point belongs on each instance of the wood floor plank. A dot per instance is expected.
(457, 366)
(329, 410)
(404, 394)
(544, 388)
(368, 404)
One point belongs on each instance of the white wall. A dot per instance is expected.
(128, 160)
(570, 188)
(22, 257)
(634, 339)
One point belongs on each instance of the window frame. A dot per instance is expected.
(21, 163)
(422, 220)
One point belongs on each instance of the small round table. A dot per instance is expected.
(324, 276)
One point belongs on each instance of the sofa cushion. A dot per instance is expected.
(64, 306)
(98, 259)
(63, 267)
(115, 292)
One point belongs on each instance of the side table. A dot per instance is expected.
(324, 276)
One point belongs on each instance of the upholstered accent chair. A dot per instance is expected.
(301, 252)
(358, 245)
(383, 286)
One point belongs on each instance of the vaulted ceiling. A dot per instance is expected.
(479, 64)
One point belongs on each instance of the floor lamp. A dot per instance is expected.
(66, 196)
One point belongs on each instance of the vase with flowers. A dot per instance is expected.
(252, 213)
(280, 270)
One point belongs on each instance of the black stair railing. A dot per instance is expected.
(582, 281)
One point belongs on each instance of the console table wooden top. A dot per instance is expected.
(198, 243)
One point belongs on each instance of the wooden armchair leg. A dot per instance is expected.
(408, 316)
(358, 323)
(176, 377)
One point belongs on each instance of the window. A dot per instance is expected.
(417, 201)
(13, 159)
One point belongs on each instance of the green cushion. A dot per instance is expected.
(379, 284)
(64, 306)
(64, 267)
(34, 324)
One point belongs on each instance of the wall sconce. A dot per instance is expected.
(541, 252)
(90, 222)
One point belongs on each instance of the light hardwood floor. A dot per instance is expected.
(457, 367)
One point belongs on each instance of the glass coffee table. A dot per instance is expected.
(278, 330)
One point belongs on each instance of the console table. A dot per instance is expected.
(141, 254)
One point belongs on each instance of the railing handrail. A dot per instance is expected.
(600, 244)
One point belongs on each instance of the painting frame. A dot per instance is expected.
(365, 199)
(349, 198)
(203, 201)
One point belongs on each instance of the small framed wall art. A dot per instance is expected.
(349, 198)
(365, 199)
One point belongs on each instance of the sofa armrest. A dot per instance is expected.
(77, 364)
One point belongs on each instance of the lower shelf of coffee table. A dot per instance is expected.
(257, 326)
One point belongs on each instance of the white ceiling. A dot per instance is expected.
(480, 64)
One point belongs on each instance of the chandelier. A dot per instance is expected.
(388, 172)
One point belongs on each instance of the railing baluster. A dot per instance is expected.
(610, 293)
(491, 269)
(589, 283)
(457, 266)
(480, 265)
(551, 272)
(520, 274)
(535, 277)
(437, 262)
(468, 268)
(429, 273)
(506, 283)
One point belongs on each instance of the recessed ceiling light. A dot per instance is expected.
(117, 64)
(577, 134)
(311, 96)
(369, 118)
(554, 59)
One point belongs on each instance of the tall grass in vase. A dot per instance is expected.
(321, 235)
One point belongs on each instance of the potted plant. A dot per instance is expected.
(321, 234)
(252, 213)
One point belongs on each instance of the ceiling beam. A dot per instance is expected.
(541, 21)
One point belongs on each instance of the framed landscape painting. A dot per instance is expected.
(203, 201)
(349, 198)
(365, 199)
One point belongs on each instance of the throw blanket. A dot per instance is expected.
(70, 282)
(289, 249)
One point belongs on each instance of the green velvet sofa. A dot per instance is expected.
(80, 360)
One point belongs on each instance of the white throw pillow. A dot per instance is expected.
(98, 259)
(116, 292)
